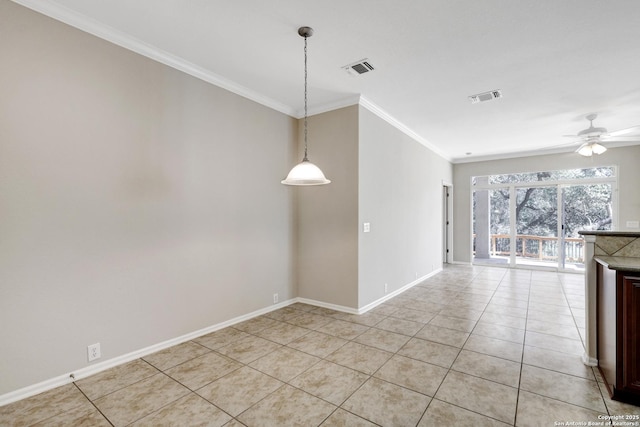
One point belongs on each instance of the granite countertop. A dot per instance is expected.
(619, 262)
(610, 233)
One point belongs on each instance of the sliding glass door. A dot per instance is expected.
(533, 219)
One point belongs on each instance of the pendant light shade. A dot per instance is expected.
(305, 172)
(590, 148)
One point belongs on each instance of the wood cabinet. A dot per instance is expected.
(618, 320)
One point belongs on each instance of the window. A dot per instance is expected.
(533, 218)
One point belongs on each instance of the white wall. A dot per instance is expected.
(626, 158)
(137, 203)
(400, 195)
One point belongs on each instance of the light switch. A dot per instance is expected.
(633, 224)
(366, 227)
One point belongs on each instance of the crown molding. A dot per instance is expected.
(375, 109)
(105, 32)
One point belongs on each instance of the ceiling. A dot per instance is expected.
(554, 61)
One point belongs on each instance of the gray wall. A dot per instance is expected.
(400, 195)
(328, 214)
(625, 158)
(137, 203)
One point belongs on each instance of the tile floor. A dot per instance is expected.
(471, 346)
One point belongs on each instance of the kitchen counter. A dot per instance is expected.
(619, 262)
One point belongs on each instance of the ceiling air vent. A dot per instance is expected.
(361, 67)
(485, 96)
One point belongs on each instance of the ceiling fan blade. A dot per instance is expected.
(610, 138)
(626, 131)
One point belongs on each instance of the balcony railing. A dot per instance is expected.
(536, 247)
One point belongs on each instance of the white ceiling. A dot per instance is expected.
(554, 60)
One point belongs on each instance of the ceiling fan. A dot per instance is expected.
(592, 137)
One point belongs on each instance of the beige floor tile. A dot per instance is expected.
(553, 329)
(561, 319)
(494, 347)
(115, 378)
(400, 326)
(509, 302)
(478, 395)
(440, 413)
(284, 314)
(503, 319)
(342, 418)
(220, 338)
(309, 320)
(283, 333)
(234, 423)
(551, 342)
(202, 370)
(331, 382)
(384, 340)
(136, 401)
(288, 406)
(488, 367)
(443, 335)
(84, 416)
(505, 311)
(302, 306)
(504, 333)
(239, 390)
(555, 361)
(463, 310)
(249, 349)
(42, 406)
(191, 409)
(563, 387)
(257, 324)
(384, 310)
(550, 309)
(414, 315)
(430, 352)
(285, 363)
(360, 357)
(343, 329)
(412, 374)
(318, 344)
(387, 404)
(175, 355)
(455, 323)
(427, 306)
(366, 319)
(540, 411)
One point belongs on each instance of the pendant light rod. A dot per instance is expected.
(305, 32)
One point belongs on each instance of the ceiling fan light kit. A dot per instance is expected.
(588, 149)
(305, 172)
(593, 136)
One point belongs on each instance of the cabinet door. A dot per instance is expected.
(631, 334)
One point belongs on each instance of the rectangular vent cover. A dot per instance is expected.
(485, 96)
(360, 67)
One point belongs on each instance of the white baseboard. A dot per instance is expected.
(79, 374)
(397, 292)
(589, 361)
(342, 308)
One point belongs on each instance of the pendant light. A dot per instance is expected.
(305, 172)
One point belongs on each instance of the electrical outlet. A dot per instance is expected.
(93, 352)
(275, 298)
(386, 288)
